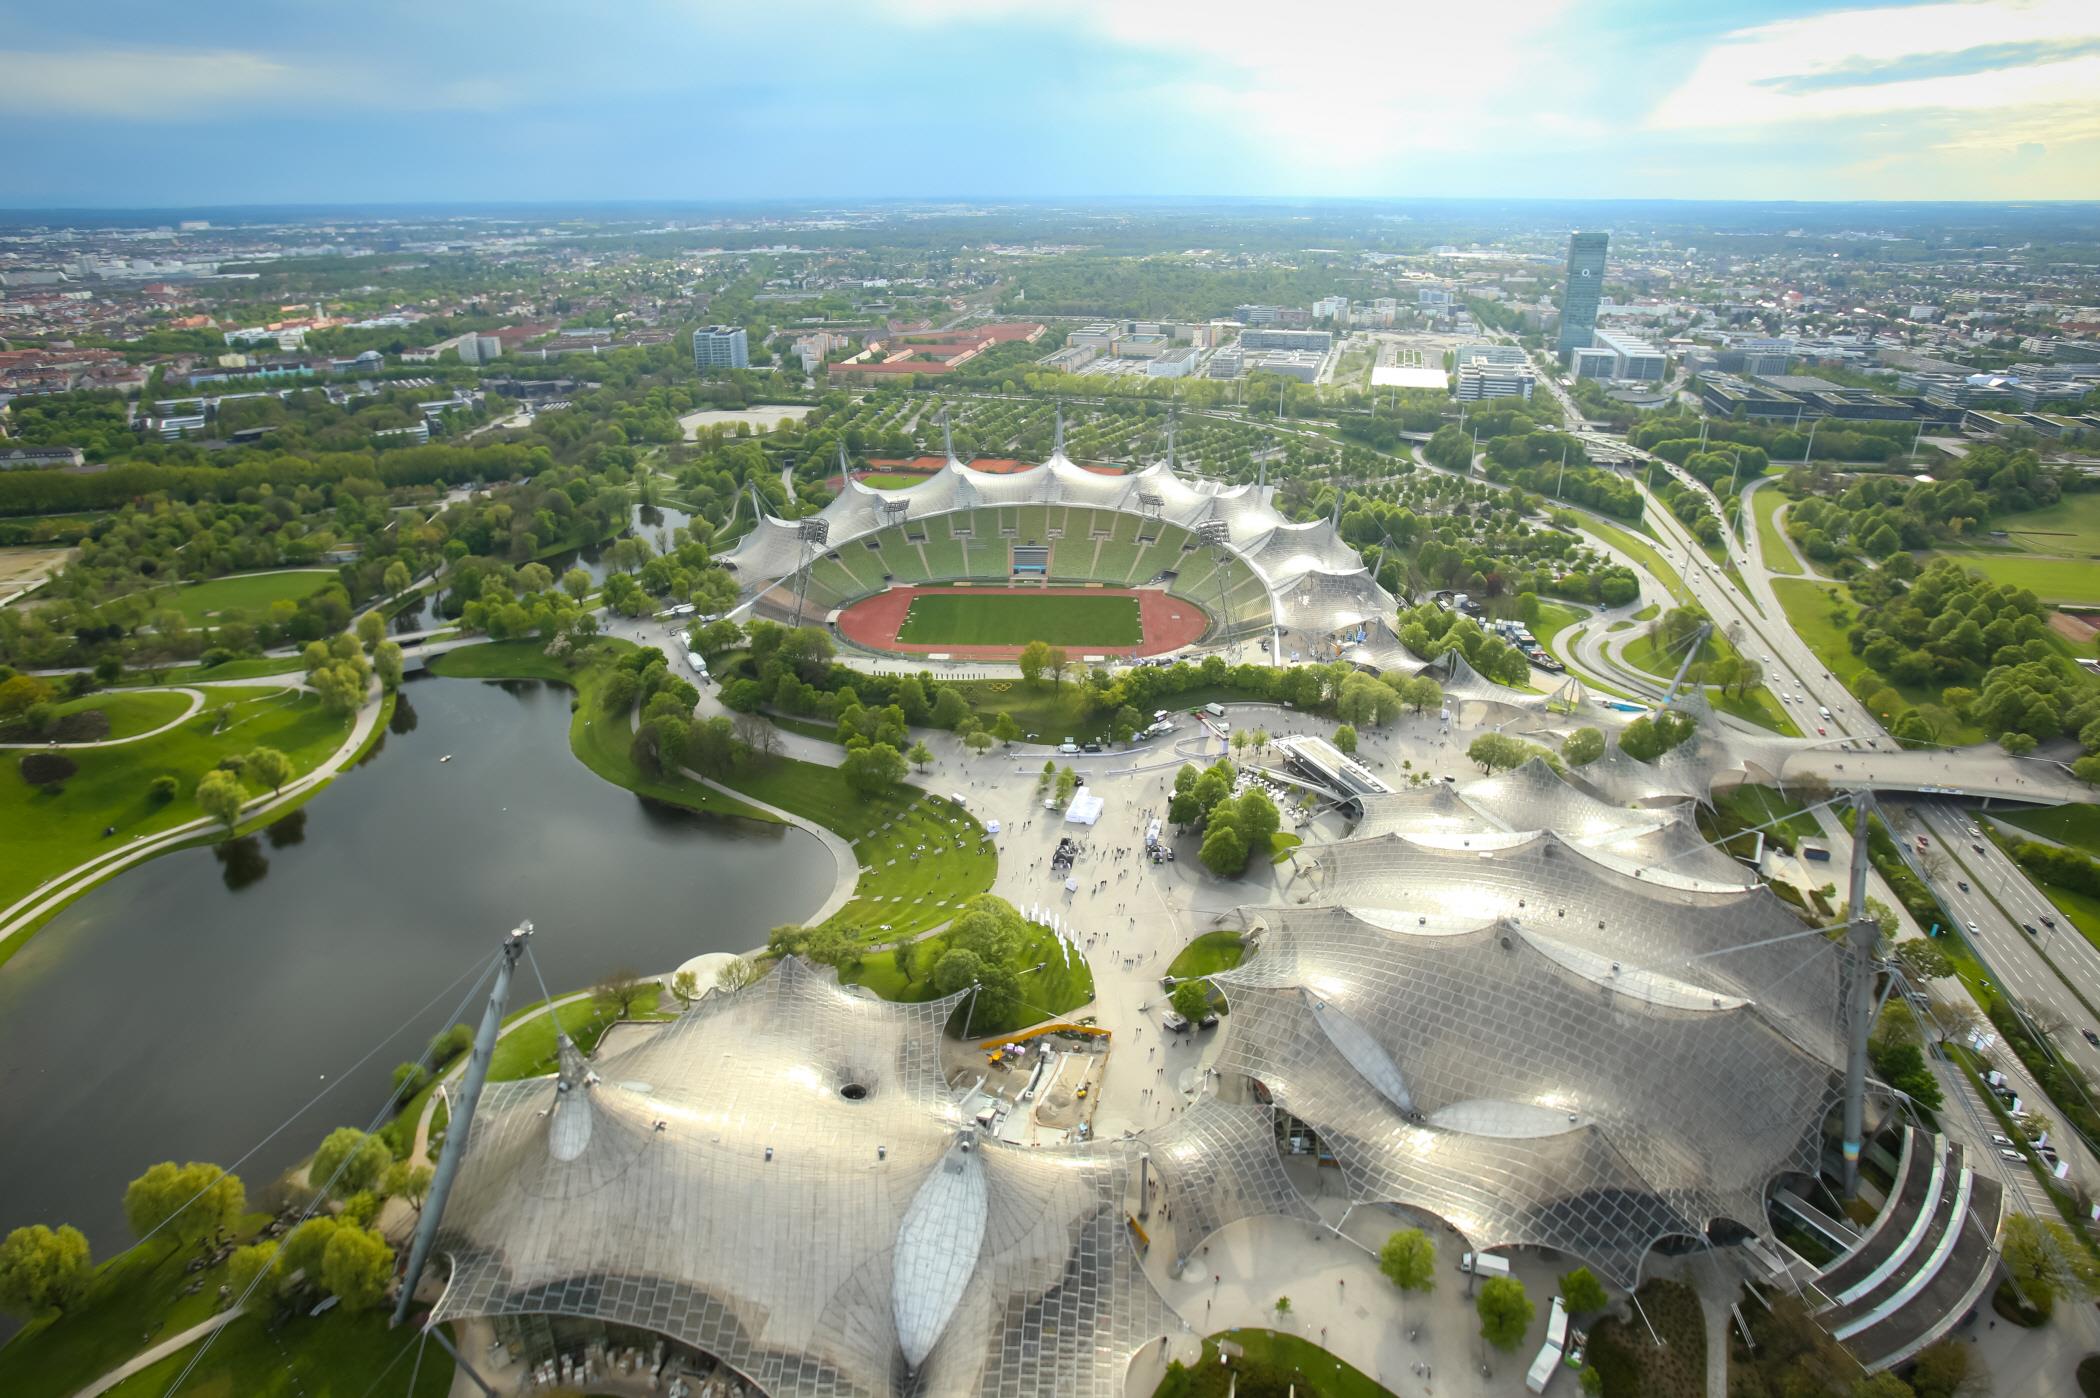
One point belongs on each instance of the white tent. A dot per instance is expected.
(1084, 810)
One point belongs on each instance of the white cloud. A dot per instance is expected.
(1853, 63)
(1334, 85)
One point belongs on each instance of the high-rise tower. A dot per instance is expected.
(1578, 299)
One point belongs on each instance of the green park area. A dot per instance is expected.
(921, 856)
(1269, 1362)
(527, 1048)
(1060, 711)
(2054, 551)
(110, 798)
(241, 592)
(142, 1298)
(1778, 550)
(1062, 985)
(127, 715)
(1822, 614)
(2077, 826)
(1207, 955)
(1641, 551)
(246, 668)
(1010, 619)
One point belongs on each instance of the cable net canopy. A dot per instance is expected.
(1525, 1083)
(781, 1178)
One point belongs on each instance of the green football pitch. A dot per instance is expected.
(1004, 619)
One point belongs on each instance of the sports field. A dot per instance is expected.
(1009, 619)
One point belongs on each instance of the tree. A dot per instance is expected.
(1033, 660)
(43, 1270)
(623, 986)
(270, 767)
(1922, 959)
(183, 1202)
(1883, 1384)
(248, 1263)
(735, 975)
(2045, 1262)
(874, 769)
(1505, 1312)
(1584, 746)
(358, 1267)
(686, 987)
(1190, 999)
(396, 578)
(348, 1161)
(1345, 738)
(1583, 1292)
(340, 687)
(303, 1248)
(1058, 664)
(371, 629)
(1943, 1370)
(219, 796)
(1224, 853)
(406, 1180)
(1066, 786)
(576, 583)
(1005, 729)
(979, 742)
(920, 756)
(162, 789)
(1283, 1307)
(1408, 1260)
(388, 663)
(1492, 750)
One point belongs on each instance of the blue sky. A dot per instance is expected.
(125, 104)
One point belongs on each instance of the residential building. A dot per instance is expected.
(1334, 308)
(476, 348)
(14, 458)
(721, 347)
(1476, 381)
(1432, 296)
(1072, 358)
(1585, 286)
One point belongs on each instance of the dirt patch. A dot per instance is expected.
(23, 566)
(2078, 628)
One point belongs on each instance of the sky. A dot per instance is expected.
(284, 101)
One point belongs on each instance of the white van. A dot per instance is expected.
(1214, 710)
(1823, 711)
(959, 799)
(1483, 1264)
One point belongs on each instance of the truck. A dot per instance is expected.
(1483, 1264)
(1214, 710)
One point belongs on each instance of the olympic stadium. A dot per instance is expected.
(1208, 565)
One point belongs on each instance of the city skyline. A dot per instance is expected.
(1979, 100)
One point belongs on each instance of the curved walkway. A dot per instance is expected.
(146, 1358)
(55, 892)
(196, 697)
(420, 1150)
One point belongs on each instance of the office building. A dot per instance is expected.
(1174, 364)
(1585, 286)
(1633, 358)
(476, 348)
(1258, 315)
(1484, 353)
(1313, 341)
(1334, 308)
(1592, 362)
(721, 347)
(1477, 381)
(1302, 365)
(1227, 363)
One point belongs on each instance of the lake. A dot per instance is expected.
(186, 1008)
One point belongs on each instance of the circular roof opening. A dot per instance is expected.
(854, 1092)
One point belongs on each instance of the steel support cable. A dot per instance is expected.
(386, 1109)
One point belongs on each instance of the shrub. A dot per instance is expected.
(47, 769)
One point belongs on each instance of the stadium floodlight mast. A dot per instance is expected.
(1217, 535)
(814, 534)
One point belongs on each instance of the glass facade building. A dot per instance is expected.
(1585, 285)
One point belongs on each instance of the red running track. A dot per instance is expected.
(1168, 623)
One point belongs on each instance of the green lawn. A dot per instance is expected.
(1554, 618)
(1208, 954)
(529, 1050)
(45, 835)
(1778, 549)
(243, 592)
(332, 1355)
(1062, 986)
(130, 714)
(1010, 619)
(2071, 525)
(897, 895)
(1759, 706)
(132, 1303)
(2074, 580)
(2067, 825)
(1641, 551)
(601, 741)
(1308, 1370)
(1644, 652)
(886, 480)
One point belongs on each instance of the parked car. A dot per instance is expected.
(1173, 1023)
(2091, 1037)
